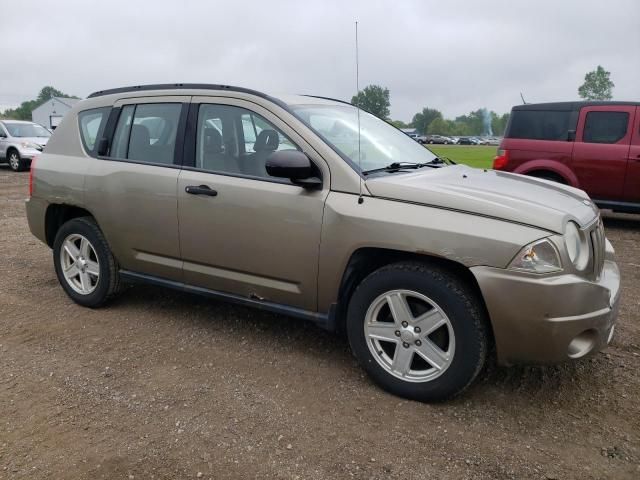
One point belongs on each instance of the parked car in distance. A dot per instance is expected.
(465, 141)
(593, 146)
(20, 141)
(289, 204)
(437, 139)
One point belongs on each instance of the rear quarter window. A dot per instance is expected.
(541, 124)
(91, 123)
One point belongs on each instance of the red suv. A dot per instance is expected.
(594, 146)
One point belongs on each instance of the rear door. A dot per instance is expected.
(601, 150)
(252, 235)
(132, 190)
(632, 180)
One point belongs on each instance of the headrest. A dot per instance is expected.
(212, 140)
(139, 142)
(267, 140)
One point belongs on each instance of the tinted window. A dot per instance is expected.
(235, 140)
(541, 124)
(91, 125)
(605, 127)
(147, 132)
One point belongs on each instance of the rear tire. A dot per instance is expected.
(84, 264)
(554, 177)
(16, 163)
(430, 349)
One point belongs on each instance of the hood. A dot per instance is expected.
(508, 196)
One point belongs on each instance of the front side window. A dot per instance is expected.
(605, 127)
(147, 132)
(541, 124)
(236, 141)
(25, 130)
(379, 143)
(91, 122)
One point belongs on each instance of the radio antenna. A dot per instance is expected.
(522, 97)
(360, 199)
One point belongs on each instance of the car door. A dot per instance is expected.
(632, 179)
(253, 235)
(131, 190)
(3, 142)
(601, 150)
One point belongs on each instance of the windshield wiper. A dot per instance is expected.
(397, 166)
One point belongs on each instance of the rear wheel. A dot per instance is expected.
(417, 331)
(15, 162)
(84, 264)
(554, 177)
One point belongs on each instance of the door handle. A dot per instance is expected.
(200, 190)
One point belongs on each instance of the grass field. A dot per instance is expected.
(479, 156)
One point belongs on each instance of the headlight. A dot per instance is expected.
(576, 245)
(537, 257)
(30, 145)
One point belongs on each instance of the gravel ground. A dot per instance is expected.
(162, 384)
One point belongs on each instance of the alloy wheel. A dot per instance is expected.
(409, 335)
(80, 264)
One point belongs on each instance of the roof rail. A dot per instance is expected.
(177, 86)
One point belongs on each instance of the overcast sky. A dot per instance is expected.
(456, 56)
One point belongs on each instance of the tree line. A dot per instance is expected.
(375, 99)
(23, 112)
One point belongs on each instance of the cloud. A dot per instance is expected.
(455, 56)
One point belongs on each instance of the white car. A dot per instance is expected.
(20, 141)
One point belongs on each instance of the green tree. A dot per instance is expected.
(374, 99)
(499, 123)
(440, 126)
(398, 124)
(597, 85)
(23, 112)
(421, 120)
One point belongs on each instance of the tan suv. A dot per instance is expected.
(306, 207)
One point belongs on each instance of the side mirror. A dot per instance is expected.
(103, 146)
(293, 165)
(571, 136)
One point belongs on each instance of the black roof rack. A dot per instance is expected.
(178, 86)
(571, 106)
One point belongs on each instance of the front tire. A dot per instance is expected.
(16, 163)
(84, 264)
(418, 331)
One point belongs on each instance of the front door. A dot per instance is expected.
(601, 150)
(242, 231)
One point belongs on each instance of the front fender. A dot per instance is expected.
(464, 238)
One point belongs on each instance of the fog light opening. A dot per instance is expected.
(582, 344)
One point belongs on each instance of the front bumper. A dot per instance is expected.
(27, 154)
(550, 319)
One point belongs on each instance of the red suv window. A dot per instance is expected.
(605, 127)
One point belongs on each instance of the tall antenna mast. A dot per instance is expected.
(360, 199)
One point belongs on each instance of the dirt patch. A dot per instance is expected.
(161, 384)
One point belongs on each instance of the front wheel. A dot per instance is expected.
(15, 162)
(418, 331)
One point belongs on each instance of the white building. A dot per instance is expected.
(50, 113)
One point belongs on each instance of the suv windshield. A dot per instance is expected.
(26, 130)
(380, 143)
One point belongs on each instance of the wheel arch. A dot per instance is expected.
(58, 214)
(366, 260)
(553, 167)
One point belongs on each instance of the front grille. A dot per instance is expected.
(597, 237)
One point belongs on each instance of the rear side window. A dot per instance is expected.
(605, 127)
(92, 123)
(541, 124)
(147, 133)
